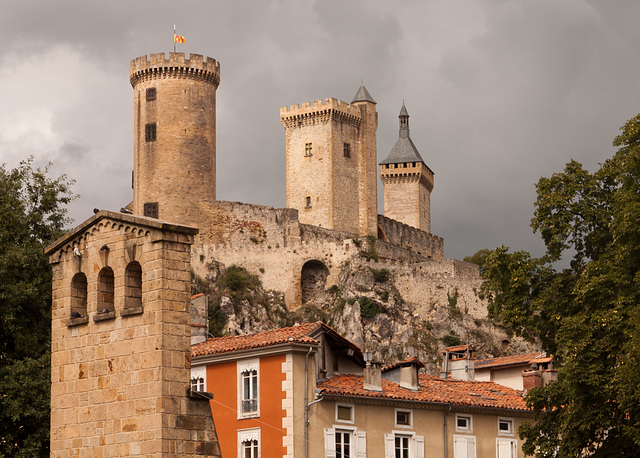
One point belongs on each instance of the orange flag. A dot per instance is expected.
(178, 39)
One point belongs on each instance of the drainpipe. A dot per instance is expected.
(446, 441)
(306, 403)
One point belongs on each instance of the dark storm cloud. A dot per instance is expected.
(500, 93)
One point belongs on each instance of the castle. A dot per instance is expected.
(331, 180)
(121, 282)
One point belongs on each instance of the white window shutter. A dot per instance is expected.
(418, 446)
(389, 446)
(361, 444)
(471, 447)
(329, 443)
(506, 448)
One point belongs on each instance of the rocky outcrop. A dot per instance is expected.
(395, 310)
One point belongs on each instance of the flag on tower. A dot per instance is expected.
(178, 39)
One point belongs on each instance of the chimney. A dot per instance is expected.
(549, 376)
(373, 377)
(531, 379)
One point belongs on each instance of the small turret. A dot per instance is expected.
(407, 181)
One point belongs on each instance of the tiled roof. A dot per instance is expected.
(525, 360)
(406, 362)
(456, 348)
(294, 334)
(432, 390)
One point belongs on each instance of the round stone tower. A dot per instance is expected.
(174, 170)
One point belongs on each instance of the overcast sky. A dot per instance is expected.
(500, 93)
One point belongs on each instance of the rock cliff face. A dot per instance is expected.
(395, 310)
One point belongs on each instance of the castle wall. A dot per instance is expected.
(175, 165)
(119, 378)
(405, 236)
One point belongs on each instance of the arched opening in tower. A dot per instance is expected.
(313, 281)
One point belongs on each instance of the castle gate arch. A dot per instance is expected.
(313, 281)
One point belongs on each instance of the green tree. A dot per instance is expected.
(32, 209)
(480, 257)
(588, 314)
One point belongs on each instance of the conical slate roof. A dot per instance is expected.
(363, 96)
(404, 149)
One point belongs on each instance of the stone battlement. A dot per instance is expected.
(320, 110)
(177, 65)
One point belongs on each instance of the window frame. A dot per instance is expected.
(348, 433)
(151, 93)
(198, 373)
(400, 425)
(510, 431)
(308, 149)
(244, 366)
(351, 412)
(469, 428)
(346, 149)
(249, 435)
(150, 132)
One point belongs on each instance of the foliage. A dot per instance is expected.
(587, 313)
(380, 275)
(372, 253)
(33, 212)
(218, 320)
(368, 308)
(451, 339)
(479, 258)
(239, 280)
(383, 295)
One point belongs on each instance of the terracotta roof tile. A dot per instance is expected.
(456, 348)
(432, 390)
(523, 360)
(294, 334)
(406, 362)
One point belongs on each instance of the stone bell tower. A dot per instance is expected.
(407, 181)
(174, 136)
(120, 342)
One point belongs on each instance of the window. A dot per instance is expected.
(105, 290)
(150, 132)
(151, 93)
(505, 426)
(308, 150)
(464, 424)
(198, 376)
(248, 388)
(344, 413)
(249, 443)
(151, 209)
(343, 444)
(133, 284)
(308, 201)
(197, 384)
(347, 150)
(464, 446)
(403, 444)
(79, 296)
(403, 417)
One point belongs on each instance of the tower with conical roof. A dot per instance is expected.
(331, 163)
(407, 181)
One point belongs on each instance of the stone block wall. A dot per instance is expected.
(119, 379)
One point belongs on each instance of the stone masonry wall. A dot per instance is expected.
(405, 236)
(120, 378)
